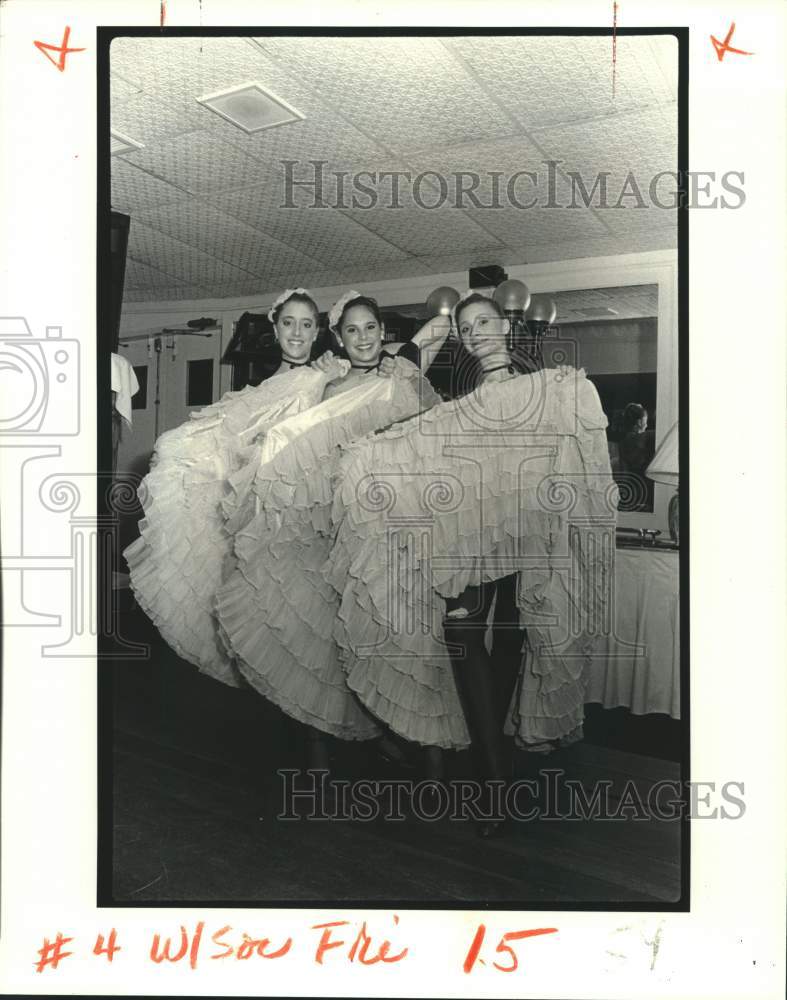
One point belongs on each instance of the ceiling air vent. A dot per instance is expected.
(251, 107)
(119, 143)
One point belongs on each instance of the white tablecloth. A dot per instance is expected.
(642, 668)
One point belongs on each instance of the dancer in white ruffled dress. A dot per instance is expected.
(513, 477)
(184, 551)
(276, 611)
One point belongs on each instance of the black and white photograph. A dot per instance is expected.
(395, 332)
(391, 521)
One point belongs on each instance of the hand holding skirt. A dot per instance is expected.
(276, 611)
(514, 477)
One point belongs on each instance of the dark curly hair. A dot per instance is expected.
(361, 300)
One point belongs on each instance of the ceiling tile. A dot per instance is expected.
(323, 137)
(230, 241)
(134, 190)
(199, 161)
(609, 245)
(175, 72)
(411, 91)
(640, 143)
(205, 198)
(144, 118)
(508, 214)
(182, 68)
(185, 263)
(325, 235)
(415, 215)
(178, 71)
(544, 80)
(645, 141)
(171, 294)
(121, 90)
(139, 275)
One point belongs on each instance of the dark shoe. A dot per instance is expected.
(389, 751)
(491, 829)
(433, 763)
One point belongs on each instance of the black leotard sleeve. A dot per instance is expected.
(409, 351)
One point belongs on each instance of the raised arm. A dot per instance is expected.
(430, 338)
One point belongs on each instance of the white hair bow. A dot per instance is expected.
(335, 315)
(285, 297)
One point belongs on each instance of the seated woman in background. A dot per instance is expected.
(636, 446)
(636, 449)
(184, 551)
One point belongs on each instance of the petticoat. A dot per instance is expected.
(276, 611)
(184, 551)
(514, 477)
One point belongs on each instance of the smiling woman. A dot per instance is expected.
(361, 332)
(296, 323)
(356, 323)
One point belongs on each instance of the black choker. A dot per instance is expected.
(295, 364)
(509, 368)
(366, 368)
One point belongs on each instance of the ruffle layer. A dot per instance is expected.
(471, 491)
(184, 551)
(277, 611)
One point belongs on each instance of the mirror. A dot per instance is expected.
(613, 334)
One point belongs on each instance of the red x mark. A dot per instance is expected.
(63, 49)
(722, 48)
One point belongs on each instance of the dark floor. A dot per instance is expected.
(196, 798)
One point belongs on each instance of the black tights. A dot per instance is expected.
(485, 683)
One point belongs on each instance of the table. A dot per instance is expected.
(641, 670)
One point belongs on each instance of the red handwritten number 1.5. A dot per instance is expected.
(502, 947)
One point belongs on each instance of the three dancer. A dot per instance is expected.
(309, 597)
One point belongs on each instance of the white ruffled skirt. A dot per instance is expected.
(184, 551)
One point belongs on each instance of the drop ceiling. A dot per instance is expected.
(205, 196)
